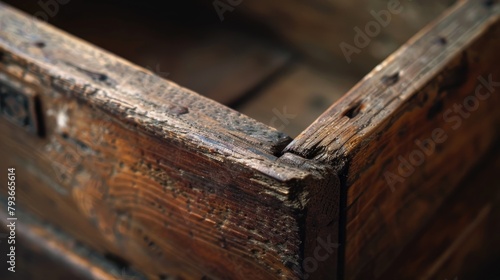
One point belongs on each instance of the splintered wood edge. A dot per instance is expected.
(131, 93)
(340, 130)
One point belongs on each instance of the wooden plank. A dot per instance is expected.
(182, 43)
(410, 97)
(138, 167)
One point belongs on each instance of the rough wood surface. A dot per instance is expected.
(410, 97)
(138, 167)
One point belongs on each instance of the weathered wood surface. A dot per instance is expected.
(384, 120)
(138, 167)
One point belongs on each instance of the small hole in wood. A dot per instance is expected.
(442, 40)
(354, 110)
(102, 77)
(40, 44)
(390, 80)
(2, 56)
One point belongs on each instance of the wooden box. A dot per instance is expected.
(123, 174)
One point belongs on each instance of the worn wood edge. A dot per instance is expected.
(275, 185)
(143, 99)
(221, 134)
(319, 196)
(165, 178)
(296, 197)
(71, 254)
(226, 147)
(334, 135)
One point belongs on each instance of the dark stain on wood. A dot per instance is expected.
(441, 40)
(390, 80)
(354, 110)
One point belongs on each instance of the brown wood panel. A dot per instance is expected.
(410, 97)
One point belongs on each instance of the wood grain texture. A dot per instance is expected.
(377, 125)
(138, 167)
